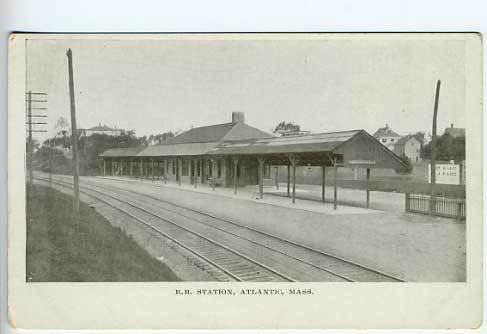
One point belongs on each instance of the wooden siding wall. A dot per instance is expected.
(362, 147)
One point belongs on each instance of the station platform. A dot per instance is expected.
(379, 200)
(411, 246)
(305, 199)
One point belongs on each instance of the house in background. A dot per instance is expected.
(408, 146)
(103, 130)
(455, 132)
(387, 137)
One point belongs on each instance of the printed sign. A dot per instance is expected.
(446, 173)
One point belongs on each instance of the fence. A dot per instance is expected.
(436, 206)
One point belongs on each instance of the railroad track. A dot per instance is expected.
(318, 260)
(220, 261)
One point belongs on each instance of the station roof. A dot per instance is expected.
(218, 133)
(200, 140)
(122, 152)
(167, 150)
(352, 148)
(321, 142)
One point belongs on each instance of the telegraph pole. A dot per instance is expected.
(29, 141)
(433, 150)
(50, 162)
(32, 120)
(74, 136)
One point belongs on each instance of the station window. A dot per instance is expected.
(219, 168)
(173, 167)
(198, 168)
(384, 140)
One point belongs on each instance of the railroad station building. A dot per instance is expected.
(236, 154)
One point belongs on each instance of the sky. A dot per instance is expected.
(325, 84)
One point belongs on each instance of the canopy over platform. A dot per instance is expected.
(350, 148)
(355, 148)
(122, 152)
(244, 152)
(173, 150)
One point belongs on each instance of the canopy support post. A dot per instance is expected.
(277, 177)
(367, 187)
(166, 170)
(323, 182)
(261, 177)
(235, 177)
(213, 173)
(335, 191)
(178, 170)
(202, 170)
(293, 161)
(195, 161)
(288, 178)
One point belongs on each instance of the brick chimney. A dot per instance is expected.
(238, 117)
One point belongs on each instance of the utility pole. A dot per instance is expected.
(29, 141)
(50, 162)
(31, 120)
(433, 151)
(74, 136)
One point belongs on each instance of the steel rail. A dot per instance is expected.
(246, 239)
(66, 184)
(312, 249)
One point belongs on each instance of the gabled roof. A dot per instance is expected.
(102, 128)
(455, 132)
(242, 131)
(219, 132)
(122, 152)
(404, 140)
(187, 149)
(357, 147)
(202, 134)
(385, 132)
(320, 142)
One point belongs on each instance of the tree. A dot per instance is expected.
(420, 136)
(59, 163)
(62, 125)
(447, 148)
(90, 147)
(407, 168)
(284, 127)
(160, 138)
